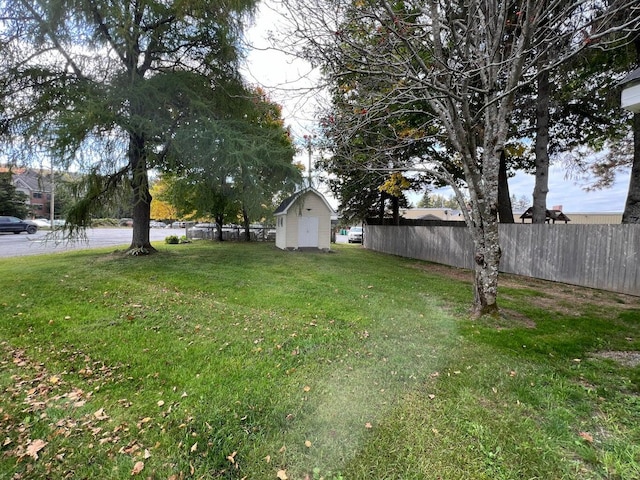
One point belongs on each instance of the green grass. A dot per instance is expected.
(236, 360)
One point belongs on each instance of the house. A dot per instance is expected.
(36, 184)
(304, 221)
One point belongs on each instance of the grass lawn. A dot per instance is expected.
(235, 360)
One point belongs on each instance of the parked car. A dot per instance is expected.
(157, 224)
(41, 222)
(355, 235)
(45, 223)
(15, 225)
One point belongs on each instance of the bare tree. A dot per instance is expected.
(465, 60)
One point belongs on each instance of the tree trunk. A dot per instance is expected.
(483, 226)
(141, 208)
(505, 210)
(395, 209)
(383, 198)
(219, 224)
(542, 150)
(631, 212)
(246, 224)
(487, 263)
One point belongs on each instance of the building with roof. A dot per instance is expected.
(303, 221)
(36, 185)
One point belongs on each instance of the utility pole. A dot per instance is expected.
(309, 143)
(53, 200)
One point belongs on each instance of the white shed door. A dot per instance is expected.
(307, 231)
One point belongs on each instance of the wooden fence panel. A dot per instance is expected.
(606, 257)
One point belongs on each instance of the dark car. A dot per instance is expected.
(15, 225)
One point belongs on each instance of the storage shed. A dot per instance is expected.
(304, 221)
(630, 96)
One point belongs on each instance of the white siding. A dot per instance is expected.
(308, 205)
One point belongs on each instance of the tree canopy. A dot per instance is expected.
(457, 66)
(12, 201)
(122, 87)
(239, 171)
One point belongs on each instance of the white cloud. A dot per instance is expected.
(570, 193)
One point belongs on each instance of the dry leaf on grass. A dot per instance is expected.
(282, 475)
(586, 437)
(100, 414)
(34, 447)
(137, 468)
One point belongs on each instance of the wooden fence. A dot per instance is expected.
(606, 257)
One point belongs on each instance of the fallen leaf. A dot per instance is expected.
(231, 457)
(147, 454)
(160, 403)
(137, 468)
(194, 447)
(586, 437)
(267, 459)
(54, 379)
(307, 388)
(282, 475)
(431, 396)
(100, 414)
(34, 447)
(368, 425)
(307, 444)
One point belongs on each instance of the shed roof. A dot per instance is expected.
(287, 202)
(633, 76)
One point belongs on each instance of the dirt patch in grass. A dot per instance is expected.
(561, 297)
(627, 359)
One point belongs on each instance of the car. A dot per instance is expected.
(205, 225)
(42, 222)
(157, 224)
(16, 225)
(355, 235)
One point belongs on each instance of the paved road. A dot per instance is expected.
(44, 241)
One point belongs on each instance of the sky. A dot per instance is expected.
(290, 82)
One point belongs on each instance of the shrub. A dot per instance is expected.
(172, 240)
